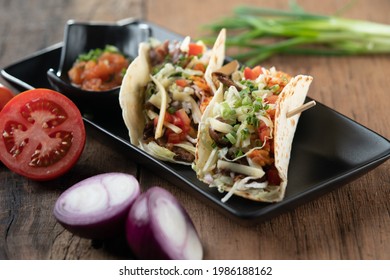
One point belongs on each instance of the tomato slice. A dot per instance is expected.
(5, 95)
(181, 82)
(42, 134)
(252, 74)
(195, 49)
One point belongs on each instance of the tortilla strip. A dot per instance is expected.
(292, 96)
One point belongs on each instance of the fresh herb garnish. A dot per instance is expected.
(150, 90)
(231, 137)
(252, 120)
(244, 133)
(171, 110)
(239, 153)
(96, 53)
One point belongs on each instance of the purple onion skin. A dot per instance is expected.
(139, 233)
(104, 223)
(145, 235)
(102, 230)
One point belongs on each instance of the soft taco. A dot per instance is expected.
(164, 93)
(245, 135)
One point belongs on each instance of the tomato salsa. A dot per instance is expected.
(99, 69)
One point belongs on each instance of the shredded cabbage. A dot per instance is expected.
(240, 168)
(164, 104)
(187, 146)
(220, 126)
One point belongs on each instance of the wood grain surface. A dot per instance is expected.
(352, 222)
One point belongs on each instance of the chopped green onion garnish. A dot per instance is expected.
(150, 90)
(231, 137)
(245, 92)
(227, 113)
(176, 74)
(171, 110)
(244, 133)
(246, 100)
(257, 105)
(239, 153)
(96, 53)
(252, 120)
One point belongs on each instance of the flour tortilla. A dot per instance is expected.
(292, 96)
(132, 95)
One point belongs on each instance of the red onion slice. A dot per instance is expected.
(97, 207)
(158, 227)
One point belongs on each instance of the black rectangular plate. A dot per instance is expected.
(329, 149)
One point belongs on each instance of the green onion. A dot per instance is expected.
(259, 33)
(239, 153)
(247, 101)
(175, 74)
(252, 120)
(257, 105)
(171, 110)
(251, 86)
(244, 133)
(227, 113)
(232, 137)
(150, 90)
(244, 92)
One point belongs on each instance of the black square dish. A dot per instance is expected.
(82, 37)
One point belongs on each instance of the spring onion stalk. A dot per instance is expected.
(256, 34)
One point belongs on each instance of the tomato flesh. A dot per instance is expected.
(42, 134)
(264, 132)
(103, 74)
(181, 82)
(180, 119)
(195, 49)
(252, 74)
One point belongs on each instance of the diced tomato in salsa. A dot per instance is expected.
(98, 75)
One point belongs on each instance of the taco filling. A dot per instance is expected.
(242, 131)
(175, 98)
(169, 96)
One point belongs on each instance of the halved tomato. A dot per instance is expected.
(42, 134)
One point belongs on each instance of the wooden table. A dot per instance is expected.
(352, 222)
